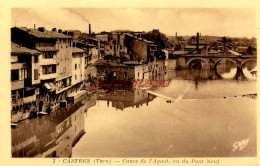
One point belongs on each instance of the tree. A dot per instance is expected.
(193, 38)
(177, 47)
(161, 55)
(224, 39)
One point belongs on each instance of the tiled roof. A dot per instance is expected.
(213, 52)
(46, 34)
(233, 52)
(46, 49)
(17, 49)
(91, 45)
(179, 52)
(77, 50)
(146, 41)
(129, 34)
(193, 47)
(72, 31)
(242, 47)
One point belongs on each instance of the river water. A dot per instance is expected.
(208, 116)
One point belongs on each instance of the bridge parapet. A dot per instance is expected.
(219, 56)
(210, 62)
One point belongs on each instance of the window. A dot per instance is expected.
(49, 69)
(14, 75)
(25, 73)
(75, 77)
(35, 74)
(75, 66)
(36, 59)
(21, 74)
(48, 55)
(125, 74)
(114, 74)
(138, 75)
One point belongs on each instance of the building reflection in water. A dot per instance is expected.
(123, 98)
(53, 135)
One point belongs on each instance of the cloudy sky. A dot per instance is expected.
(185, 21)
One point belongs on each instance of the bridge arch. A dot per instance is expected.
(243, 63)
(246, 60)
(188, 64)
(216, 62)
(220, 59)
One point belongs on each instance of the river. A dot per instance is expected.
(207, 116)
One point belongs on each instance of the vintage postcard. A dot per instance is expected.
(123, 85)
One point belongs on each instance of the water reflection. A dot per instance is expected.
(150, 133)
(53, 135)
(123, 98)
(226, 69)
(249, 69)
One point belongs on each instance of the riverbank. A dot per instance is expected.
(30, 111)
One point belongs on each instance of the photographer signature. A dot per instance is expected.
(240, 145)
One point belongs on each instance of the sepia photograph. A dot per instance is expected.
(157, 84)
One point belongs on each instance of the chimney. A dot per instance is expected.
(60, 31)
(54, 30)
(41, 29)
(176, 35)
(89, 29)
(34, 26)
(197, 46)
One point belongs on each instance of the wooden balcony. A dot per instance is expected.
(24, 100)
(19, 84)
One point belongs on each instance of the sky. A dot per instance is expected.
(233, 22)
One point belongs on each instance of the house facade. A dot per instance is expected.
(55, 63)
(24, 74)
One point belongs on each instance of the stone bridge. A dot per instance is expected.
(211, 61)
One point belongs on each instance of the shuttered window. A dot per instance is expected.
(36, 74)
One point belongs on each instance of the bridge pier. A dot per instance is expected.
(211, 64)
(239, 73)
(181, 63)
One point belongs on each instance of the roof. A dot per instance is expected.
(46, 34)
(17, 49)
(233, 52)
(91, 45)
(146, 41)
(242, 47)
(72, 31)
(77, 50)
(105, 35)
(128, 34)
(131, 63)
(213, 52)
(200, 43)
(46, 49)
(179, 52)
(192, 47)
